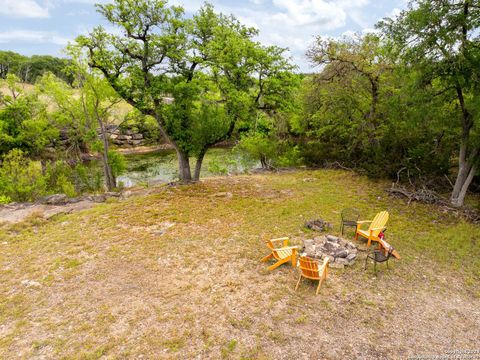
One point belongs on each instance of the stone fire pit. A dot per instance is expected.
(340, 251)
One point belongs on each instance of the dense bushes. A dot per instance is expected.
(23, 179)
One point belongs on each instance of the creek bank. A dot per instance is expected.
(51, 205)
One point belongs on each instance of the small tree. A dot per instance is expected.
(359, 57)
(82, 110)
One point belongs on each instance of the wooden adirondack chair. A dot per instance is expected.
(282, 252)
(310, 269)
(377, 225)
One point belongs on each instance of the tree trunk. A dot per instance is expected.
(110, 181)
(459, 198)
(466, 172)
(466, 167)
(372, 115)
(107, 169)
(198, 164)
(183, 166)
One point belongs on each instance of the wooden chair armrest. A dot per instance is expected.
(364, 221)
(379, 228)
(288, 247)
(285, 240)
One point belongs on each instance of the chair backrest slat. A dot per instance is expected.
(283, 253)
(310, 267)
(379, 221)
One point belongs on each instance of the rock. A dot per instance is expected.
(55, 199)
(341, 254)
(332, 238)
(351, 257)
(339, 250)
(124, 137)
(97, 198)
(341, 261)
(318, 225)
(223, 194)
(310, 250)
(330, 247)
(113, 136)
(137, 136)
(308, 242)
(31, 283)
(350, 245)
(320, 241)
(74, 200)
(134, 142)
(126, 194)
(336, 265)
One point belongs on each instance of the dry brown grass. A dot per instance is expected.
(176, 274)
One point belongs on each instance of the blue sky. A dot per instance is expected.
(45, 26)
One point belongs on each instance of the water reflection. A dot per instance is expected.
(161, 166)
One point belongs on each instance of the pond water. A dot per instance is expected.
(162, 166)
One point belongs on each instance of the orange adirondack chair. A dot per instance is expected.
(282, 254)
(376, 226)
(310, 269)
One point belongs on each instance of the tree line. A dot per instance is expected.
(29, 69)
(400, 103)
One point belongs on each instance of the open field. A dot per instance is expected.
(176, 274)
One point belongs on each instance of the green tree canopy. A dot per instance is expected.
(441, 40)
(197, 77)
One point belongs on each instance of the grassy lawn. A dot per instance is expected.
(175, 273)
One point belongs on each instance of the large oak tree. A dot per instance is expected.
(197, 77)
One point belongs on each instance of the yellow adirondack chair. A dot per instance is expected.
(376, 226)
(309, 269)
(282, 253)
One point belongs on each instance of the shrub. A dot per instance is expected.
(87, 179)
(59, 178)
(21, 179)
(117, 162)
(4, 199)
(271, 152)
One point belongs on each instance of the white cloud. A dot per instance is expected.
(346, 4)
(292, 24)
(310, 12)
(33, 36)
(394, 13)
(23, 9)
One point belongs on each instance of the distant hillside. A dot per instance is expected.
(120, 110)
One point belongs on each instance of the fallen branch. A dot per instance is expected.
(422, 195)
(431, 197)
(336, 165)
